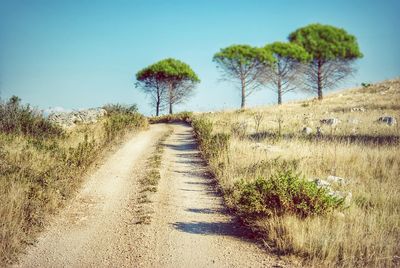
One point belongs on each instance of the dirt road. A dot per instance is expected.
(188, 227)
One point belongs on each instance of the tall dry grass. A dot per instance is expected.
(361, 150)
(38, 173)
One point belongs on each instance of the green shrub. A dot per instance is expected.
(283, 193)
(16, 118)
(171, 118)
(203, 129)
(212, 145)
(120, 109)
(365, 85)
(118, 123)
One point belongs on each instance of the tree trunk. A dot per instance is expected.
(243, 105)
(279, 92)
(158, 108)
(170, 98)
(319, 77)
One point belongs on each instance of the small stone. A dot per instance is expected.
(307, 130)
(358, 109)
(320, 132)
(388, 120)
(330, 121)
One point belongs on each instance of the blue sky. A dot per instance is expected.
(85, 53)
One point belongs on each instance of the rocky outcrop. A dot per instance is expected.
(335, 181)
(338, 180)
(70, 119)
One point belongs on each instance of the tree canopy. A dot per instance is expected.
(168, 82)
(332, 51)
(288, 51)
(168, 69)
(243, 63)
(325, 42)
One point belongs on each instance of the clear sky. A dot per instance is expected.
(83, 53)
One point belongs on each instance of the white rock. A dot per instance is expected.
(341, 195)
(322, 184)
(330, 121)
(69, 119)
(307, 130)
(319, 131)
(337, 180)
(358, 109)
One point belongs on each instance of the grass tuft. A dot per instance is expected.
(149, 183)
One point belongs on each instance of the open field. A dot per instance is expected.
(365, 229)
(266, 161)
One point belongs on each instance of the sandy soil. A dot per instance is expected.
(188, 226)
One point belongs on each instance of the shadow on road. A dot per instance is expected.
(204, 210)
(211, 228)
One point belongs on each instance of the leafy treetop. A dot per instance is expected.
(288, 50)
(325, 42)
(168, 69)
(243, 55)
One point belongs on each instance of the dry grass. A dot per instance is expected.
(148, 184)
(37, 176)
(361, 150)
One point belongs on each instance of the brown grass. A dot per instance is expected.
(361, 150)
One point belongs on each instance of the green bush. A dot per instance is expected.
(283, 193)
(203, 129)
(171, 118)
(118, 123)
(365, 85)
(212, 145)
(16, 118)
(120, 109)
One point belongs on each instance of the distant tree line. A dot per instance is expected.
(316, 58)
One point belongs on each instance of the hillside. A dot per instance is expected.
(314, 182)
(346, 145)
